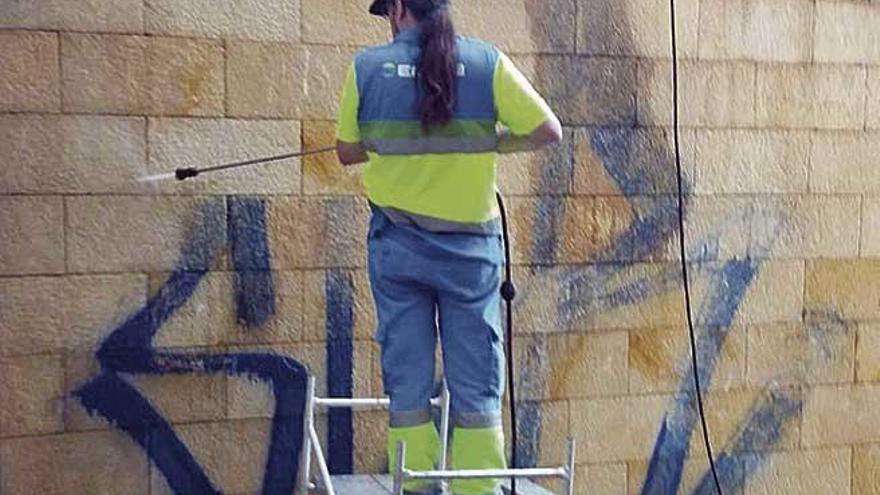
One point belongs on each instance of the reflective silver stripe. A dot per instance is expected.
(427, 145)
(434, 224)
(477, 420)
(406, 419)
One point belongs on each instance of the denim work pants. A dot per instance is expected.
(427, 284)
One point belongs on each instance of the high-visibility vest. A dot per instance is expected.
(442, 180)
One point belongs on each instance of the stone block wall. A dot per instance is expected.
(143, 326)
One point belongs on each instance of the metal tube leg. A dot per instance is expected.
(322, 464)
(570, 468)
(308, 422)
(398, 468)
(444, 432)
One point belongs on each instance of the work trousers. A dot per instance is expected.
(428, 285)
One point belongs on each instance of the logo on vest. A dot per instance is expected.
(407, 71)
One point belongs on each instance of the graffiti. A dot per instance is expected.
(129, 350)
(638, 164)
(340, 368)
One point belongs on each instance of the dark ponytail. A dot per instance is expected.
(437, 67)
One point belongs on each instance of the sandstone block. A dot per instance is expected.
(287, 324)
(870, 240)
(42, 314)
(756, 29)
(513, 24)
(587, 366)
(868, 352)
(749, 161)
(269, 20)
(185, 77)
(90, 15)
(793, 354)
(845, 162)
(806, 472)
(849, 288)
(847, 32)
(811, 96)
(207, 319)
(601, 478)
(615, 161)
(547, 171)
(616, 429)
(30, 80)
(32, 240)
(325, 76)
(839, 415)
(342, 22)
(775, 294)
(873, 98)
(104, 74)
(807, 226)
(866, 469)
(74, 463)
(71, 154)
(266, 79)
(31, 395)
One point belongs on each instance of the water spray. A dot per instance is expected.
(183, 174)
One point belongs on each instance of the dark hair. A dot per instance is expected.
(437, 68)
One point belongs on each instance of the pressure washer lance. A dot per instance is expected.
(182, 174)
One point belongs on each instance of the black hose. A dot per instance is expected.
(508, 292)
(683, 253)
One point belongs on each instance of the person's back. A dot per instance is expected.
(442, 170)
(424, 111)
(408, 161)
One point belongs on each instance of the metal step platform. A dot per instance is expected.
(366, 484)
(392, 484)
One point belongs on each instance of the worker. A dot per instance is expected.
(424, 111)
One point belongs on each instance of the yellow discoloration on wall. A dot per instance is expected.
(191, 85)
(647, 358)
(560, 369)
(323, 174)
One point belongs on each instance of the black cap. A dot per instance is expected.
(380, 7)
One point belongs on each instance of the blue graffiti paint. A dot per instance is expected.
(339, 292)
(129, 349)
(727, 289)
(761, 432)
(530, 386)
(528, 443)
(584, 291)
(251, 260)
(133, 414)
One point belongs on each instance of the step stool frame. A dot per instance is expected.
(312, 444)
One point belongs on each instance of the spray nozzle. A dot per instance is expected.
(186, 173)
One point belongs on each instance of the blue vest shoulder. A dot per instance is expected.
(387, 84)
